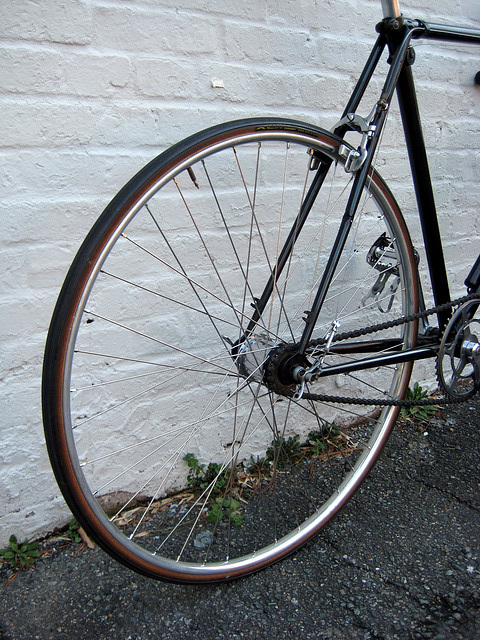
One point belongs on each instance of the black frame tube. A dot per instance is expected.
(384, 360)
(282, 259)
(423, 189)
(363, 82)
(451, 33)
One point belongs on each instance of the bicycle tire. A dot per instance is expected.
(168, 443)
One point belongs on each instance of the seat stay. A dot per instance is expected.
(377, 122)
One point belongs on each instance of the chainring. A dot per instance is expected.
(458, 360)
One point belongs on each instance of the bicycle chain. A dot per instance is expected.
(356, 333)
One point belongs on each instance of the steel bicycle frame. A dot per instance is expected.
(396, 34)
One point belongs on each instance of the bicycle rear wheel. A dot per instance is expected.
(169, 437)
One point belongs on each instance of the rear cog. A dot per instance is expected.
(458, 360)
(278, 369)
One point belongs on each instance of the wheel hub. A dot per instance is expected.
(284, 369)
(252, 355)
(259, 358)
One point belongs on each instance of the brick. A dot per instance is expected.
(326, 16)
(34, 71)
(265, 45)
(126, 28)
(79, 174)
(29, 123)
(251, 11)
(56, 21)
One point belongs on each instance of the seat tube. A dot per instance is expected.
(423, 189)
(391, 8)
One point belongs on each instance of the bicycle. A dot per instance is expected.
(235, 337)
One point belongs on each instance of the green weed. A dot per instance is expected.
(419, 412)
(72, 531)
(20, 556)
(284, 452)
(201, 476)
(225, 507)
(258, 467)
(211, 476)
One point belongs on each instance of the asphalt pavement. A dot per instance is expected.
(401, 561)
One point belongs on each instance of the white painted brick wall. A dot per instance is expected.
(92, 89)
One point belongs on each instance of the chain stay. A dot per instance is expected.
(383, 402)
